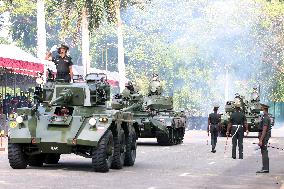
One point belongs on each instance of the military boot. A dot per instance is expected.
(213, 149)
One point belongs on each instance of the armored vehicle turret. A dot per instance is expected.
(251, 108)
(153, 114)
(72, 118)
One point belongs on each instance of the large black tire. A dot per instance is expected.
(103, 155)
(176, 139)
(52, 158)
(119, 151)
(168, 139)
(163, 139)
(131, 145)
(181, 134)
(36, 160)
(17, 158)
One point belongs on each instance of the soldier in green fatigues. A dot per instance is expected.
(237, 122)
(214, 121)
(264, 135)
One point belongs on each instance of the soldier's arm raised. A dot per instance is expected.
(48, 56)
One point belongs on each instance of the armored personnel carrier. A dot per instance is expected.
(72, 118)
(153, 114)
(251, 108)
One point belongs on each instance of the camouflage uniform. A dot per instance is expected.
(237, 121)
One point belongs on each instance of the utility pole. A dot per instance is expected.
(85, 42)
(106, 58)
(120, 49)
(41, 35)
(227, 85)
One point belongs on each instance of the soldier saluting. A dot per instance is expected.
(62, 61)
(214, 121)
(264, 135)
(237, 122)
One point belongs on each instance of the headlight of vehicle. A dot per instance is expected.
(39, 80)
(103, 119)
(92, 121)
(19, 119)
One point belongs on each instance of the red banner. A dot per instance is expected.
(22, 67)
(30, 68)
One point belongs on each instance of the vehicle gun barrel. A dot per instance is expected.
(64, 96)
(132, 107)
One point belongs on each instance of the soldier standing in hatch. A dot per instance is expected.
(264, 135)
(237, 122)
(62, 61)
(214, 121)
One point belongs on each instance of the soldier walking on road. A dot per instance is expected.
(237, 122)
(214, 121)
(264, 135)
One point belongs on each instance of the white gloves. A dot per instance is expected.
(53, 48)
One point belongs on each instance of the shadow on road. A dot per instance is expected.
(69, 166)
(244, 137)
(251, 136)
(147, 143)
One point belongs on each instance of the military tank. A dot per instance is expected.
(153, 114)
(72, 118)
(251, 108)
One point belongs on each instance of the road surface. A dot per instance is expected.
(190, 165)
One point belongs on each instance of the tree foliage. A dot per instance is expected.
(190, 44)
(272, 35)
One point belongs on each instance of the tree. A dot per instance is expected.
(23, 20)
(271, 39)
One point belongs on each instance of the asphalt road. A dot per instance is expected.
(190, 165)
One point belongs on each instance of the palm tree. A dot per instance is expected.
(120, 49)
(90, 14)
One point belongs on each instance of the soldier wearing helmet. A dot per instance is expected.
(62, 61)
(237, 122)
(214, 121)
